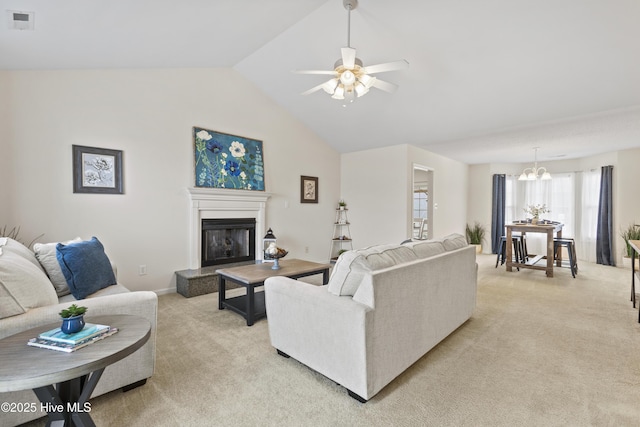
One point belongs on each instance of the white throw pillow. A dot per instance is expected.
(46, 254)
(23, 284)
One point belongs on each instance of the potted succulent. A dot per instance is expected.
(342, 205)
(475, 236)
(72, 319)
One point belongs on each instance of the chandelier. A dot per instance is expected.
(531, 174)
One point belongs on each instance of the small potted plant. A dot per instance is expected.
(72, 319)
(475, 236)
(342, 205)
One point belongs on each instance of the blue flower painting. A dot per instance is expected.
(228, 161)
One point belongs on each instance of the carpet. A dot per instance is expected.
(537, 351)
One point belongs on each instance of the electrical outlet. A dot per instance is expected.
(142, 270)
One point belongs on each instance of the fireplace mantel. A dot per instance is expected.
(209, 203)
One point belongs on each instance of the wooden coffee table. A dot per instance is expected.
(76, 374)
(251, 305)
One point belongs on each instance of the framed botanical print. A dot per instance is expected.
(223, 160)
(97, 170)
(308, 189)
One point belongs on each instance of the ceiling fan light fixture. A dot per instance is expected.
(338, 93)
(348, 78)
(350, 75)
(330, 86)
(361, 89)
(367, 80)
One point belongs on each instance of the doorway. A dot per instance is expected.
(421, 203)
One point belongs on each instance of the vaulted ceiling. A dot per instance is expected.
(488, 80)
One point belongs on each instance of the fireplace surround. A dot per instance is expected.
(208, 203)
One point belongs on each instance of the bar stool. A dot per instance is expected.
(570, 244)
(518, 251)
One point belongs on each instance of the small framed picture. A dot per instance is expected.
(97, 170)
(308, 189)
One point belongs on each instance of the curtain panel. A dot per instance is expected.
(497, 217)
(604, 239)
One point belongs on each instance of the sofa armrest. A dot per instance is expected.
(140, 303)
(321, 330)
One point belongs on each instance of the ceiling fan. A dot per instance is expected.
(350, 78)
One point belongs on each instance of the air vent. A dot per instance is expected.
(20, 20)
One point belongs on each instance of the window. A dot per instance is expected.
(420, 199)
(572, 199)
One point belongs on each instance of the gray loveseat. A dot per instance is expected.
(383, 309)
(32, 294)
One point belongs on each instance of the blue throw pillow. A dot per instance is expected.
(85, 266)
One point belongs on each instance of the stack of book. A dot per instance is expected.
(55, 339)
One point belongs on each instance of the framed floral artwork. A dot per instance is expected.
(97, 170)
(227, 161)
(308, 189)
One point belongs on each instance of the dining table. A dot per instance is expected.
(549, 229)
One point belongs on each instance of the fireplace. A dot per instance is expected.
(210, 203)
(228, 240)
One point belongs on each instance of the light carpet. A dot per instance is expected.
(538, 351)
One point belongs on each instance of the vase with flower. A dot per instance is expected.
(535, 211)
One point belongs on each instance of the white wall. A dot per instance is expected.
(149, 114)
(5, 154)
(377, 185)
(374, 185)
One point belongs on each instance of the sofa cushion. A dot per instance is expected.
(109, 290)
(425, 248)
(46, 254)
(85, 266)
(454, 241)
(351, 266)
(23, 284)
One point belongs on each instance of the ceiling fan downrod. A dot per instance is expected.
(349, 5)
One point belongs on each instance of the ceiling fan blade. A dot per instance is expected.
(320, 86)
(313, 89)
(385, 86)
(327, 72)
(348, 57)
(387, 66)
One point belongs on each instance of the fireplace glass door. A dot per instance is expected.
(228, 240)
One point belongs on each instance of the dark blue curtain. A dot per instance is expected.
(604, 237)
(497, 216)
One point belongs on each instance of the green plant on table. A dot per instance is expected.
(72, 311)
(475, 234)
(632, 232)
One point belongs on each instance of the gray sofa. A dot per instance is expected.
(32, 295)
(383, 309)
